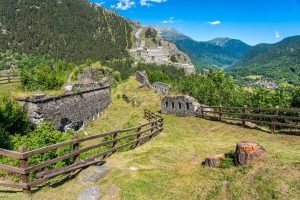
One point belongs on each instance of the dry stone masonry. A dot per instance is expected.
(142, 78)
(161, 87)
(82, 103)
(181, 106)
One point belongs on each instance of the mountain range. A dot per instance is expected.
(219, 52)
(78, 30)
(278, 62)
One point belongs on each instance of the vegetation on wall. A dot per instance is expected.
(42, 73)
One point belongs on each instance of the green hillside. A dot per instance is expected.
(169, 166)
(74, 30)
(220, 52)
(279, 62)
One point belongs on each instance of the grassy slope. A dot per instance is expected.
(169, 166)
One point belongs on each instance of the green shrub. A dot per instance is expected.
(13, 119)
(4, 139)
(295, 102)
(158, 76)
(44, 135)
(40, 73)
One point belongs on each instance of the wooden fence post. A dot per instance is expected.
(202, 111)
(115, 135)
(24, 164)
(274, 125)
(137, 137)
(244, 116)
(76, 147)
(220, 113)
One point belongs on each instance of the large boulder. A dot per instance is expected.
(247, 152)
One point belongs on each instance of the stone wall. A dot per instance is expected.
(142, 77)
(181, 106)
(161, 87)
(72, 110)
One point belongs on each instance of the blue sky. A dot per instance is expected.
(252, 21)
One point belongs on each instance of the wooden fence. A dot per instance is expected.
(131, 137)
(273, 117)
(9, 78)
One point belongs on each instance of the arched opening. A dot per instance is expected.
(167, 104)
(187, 106)
(179, 105)
(173, 105)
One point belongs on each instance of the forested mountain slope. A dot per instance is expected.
(219, 52)
(279, 61)
(74, 30)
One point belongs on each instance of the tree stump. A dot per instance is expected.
(213, 161)
(248, 151)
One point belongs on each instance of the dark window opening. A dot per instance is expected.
(173, 106)
(167, 104)
(187, 106)
(179, 105)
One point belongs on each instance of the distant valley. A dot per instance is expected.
(279, 62)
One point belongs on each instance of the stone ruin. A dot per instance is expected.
(142, 78)
(181, 106)
(161, 87)
(80, 104)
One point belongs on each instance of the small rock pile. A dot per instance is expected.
(246, 152)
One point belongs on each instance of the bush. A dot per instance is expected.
(40, 73)
(158, 76)
(4, 139)
(44, 135)
(13, 118)
(295, 101)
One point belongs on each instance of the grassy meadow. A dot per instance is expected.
(169, 166)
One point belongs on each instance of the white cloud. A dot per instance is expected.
(149, 2)
(124, 4)
(214, 22)
(169, 21)
(277, 34)
(100, 3)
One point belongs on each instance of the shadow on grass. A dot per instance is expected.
(283, 132)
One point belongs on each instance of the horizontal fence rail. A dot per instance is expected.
(9, 78)
(110, 141)
(275, 118)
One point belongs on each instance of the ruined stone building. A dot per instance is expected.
(155, 55)
(188, 68)
(142, 78)
(181, 106)
(81, 103)
(161, 87)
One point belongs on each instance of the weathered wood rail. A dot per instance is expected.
(138, 135)
(273, 117)
(9, 78)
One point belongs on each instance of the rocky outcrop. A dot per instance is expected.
(93, 174)
(248, 151)
(82, 103)
(90, 193)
